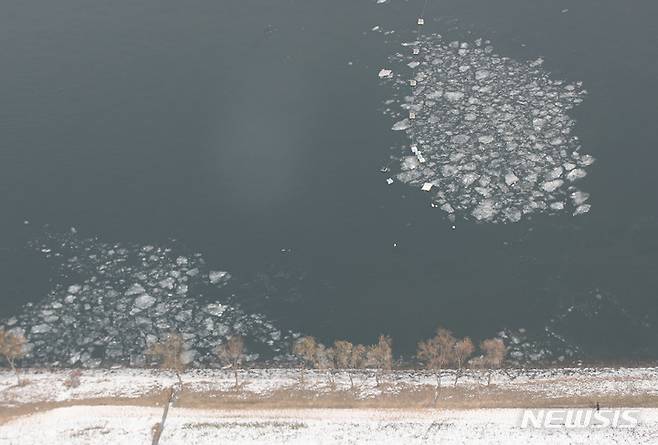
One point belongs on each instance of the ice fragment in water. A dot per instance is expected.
(511, 179)
(385, 74)
(401, 125)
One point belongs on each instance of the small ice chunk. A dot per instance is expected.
(481, 74)
(449, 170)
(41, 329)
(557, 205)
(469, 178)
(167, 283)
(511, 179)
(427, 187)
(217, 276)
(385, 74)
(74, 289)
(409, 163)
(135, 289)
(215, 309)
(586, 160)
(486, 139)
(144, 301)
(389, 181)
(460, 139)
(575, 174)
(513, 215)
(485, 210)
(551, 186)
(582, 209)
(401, 125)
(554, 174)
(453, 96)
(579, 197)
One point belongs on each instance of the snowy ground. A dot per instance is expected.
(131, 425)
(121, 405)
(48, 386)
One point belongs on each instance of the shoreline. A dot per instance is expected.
(274, 387)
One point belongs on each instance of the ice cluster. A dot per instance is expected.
(111, 301)
(489, 137)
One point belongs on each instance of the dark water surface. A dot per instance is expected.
(240, 128)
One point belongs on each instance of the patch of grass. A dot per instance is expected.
(89, 431)
(251, 425)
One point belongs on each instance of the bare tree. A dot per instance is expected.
(325, 359)
(349, 357)
(463, 350)
(437, 353)
(380, 356)
(494, 350)
(169, 352)
(232, 353)
(12, 348)
(305, 349)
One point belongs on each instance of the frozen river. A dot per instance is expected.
(253, 133)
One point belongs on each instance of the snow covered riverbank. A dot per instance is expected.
(131, 425)
(260, 384)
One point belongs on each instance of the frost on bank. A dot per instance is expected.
(490, 137)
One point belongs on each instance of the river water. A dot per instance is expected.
(252, 132)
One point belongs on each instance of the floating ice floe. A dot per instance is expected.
(129, 296)
(385, 74)
(495, 133)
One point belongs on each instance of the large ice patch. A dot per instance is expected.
(491, 134)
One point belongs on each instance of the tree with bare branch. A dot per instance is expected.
(464, 348)
(305, 349)
(349, 357)
(12, 348)
(380, 356)
(494, 351)
(231, 353)
(325, 359)
(437, 353)
(169, 353)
